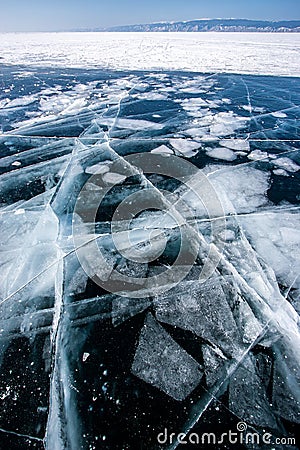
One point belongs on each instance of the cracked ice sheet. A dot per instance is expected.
(80, 315)
(275, 237)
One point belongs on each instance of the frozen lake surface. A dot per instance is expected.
(252, 53)
(149, 246)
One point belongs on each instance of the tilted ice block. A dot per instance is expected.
(203, 309)
(214, 364)
(248, 398)
(248, 324)
(124, 308)
(286, 382)
(161, 362)
(221, 153)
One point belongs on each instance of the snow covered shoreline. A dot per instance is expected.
(245, 53)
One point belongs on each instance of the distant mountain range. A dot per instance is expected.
(211, 25)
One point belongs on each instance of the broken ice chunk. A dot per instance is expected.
(113, 178)
(281, 172)
(279, 114)
(221, 153)
(125, 308)
(244, 197)
(162, 150)
(256, 155)
(227, 235)
(100, 168)
(236, 144)
(252, 109)
(249, 326)
(196, 132)
(201, 308)
(185, 147)
(286, 164)
(275, 237)
(78, 282)
(214, 363)
(96, 260)
(286, 381)
(85, 356)
(135, 124)
(160, 361)
(247, 396)
(226, 123)
(20, 101)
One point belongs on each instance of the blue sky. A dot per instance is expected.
(49, 15)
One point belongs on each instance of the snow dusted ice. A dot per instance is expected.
(149, 243)
(248, 53)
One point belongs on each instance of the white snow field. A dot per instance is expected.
(247, 53)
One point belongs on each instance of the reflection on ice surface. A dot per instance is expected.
(99, 349)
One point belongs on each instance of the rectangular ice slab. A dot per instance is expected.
(161, 362)
(201, 308)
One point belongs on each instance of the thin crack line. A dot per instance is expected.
(22, 435)
(158, 138)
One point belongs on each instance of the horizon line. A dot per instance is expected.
(171, 22)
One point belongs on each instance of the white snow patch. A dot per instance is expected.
(252, 53)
